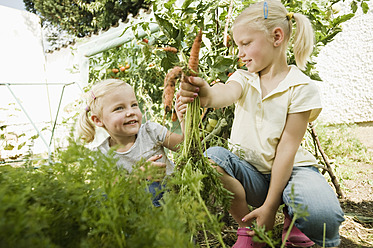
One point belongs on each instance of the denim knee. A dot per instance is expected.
(320, 201)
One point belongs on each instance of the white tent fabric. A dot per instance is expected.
(28, 82)
(21, 50)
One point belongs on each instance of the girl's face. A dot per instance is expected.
(121, 115)
(255, 48)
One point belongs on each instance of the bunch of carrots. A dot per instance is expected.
(194, 174)
(192, 156)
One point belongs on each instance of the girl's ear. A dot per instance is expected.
(278, 36)
(97, 121)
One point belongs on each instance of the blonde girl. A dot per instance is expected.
(274, 102)
(112, 105)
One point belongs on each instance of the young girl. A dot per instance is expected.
(112, 105)
(273, 104)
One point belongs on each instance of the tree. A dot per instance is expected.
(82, 17)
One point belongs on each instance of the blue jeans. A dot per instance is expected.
(311, 190)
(156, 189)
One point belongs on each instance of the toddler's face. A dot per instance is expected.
(121, 115)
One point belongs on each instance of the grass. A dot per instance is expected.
(341, 144)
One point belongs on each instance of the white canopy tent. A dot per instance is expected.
(29, 83)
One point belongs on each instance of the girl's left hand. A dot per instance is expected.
(180, 107)
(263, 216)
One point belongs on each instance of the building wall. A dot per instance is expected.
(346, 67)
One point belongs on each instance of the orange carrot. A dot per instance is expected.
(174, 116)
(169, 87)
(177, 72)
(194, 54)
(170, 49)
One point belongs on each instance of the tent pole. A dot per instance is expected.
(120, 40)
(33, 124)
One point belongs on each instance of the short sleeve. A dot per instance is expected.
(156, 131)
(305, 97)
(238, 76)
(245, 79)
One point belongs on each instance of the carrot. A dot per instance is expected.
(170, 49)
(174, 116)
(177, 72)
(169, 87)
(194, 54)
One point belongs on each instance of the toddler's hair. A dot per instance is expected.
(86, 128)
(277, 16)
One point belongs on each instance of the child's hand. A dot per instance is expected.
(161, 168)
(180, 107)
(263, 216)
(193, 87)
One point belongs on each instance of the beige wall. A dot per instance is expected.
(346, 67)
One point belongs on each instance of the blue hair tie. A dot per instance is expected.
(265, 10)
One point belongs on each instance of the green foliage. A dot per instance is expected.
(340, 143)
(84, 200)
(83, 17)
(14, 142)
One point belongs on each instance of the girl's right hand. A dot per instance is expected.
(193, 87)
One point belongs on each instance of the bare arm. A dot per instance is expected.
(295, 127)
(217, 96)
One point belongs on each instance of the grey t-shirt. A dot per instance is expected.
(148, 143)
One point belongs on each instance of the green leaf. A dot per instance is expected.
(343, 18)
(21, 145)
(365, 7)
(169, 61)
(166, 27)
(8, 147)
(169, 4)
(354, 6)
(222, 63)
(186, 3)
(330, 37)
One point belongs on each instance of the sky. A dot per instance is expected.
(16, 4)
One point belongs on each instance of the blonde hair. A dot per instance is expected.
(257, 17)
(86, 128)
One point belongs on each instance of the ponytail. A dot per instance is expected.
(303, 40)
(86, 128)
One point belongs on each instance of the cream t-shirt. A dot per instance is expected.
(259, 123)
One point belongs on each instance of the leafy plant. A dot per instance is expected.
(84, 200)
